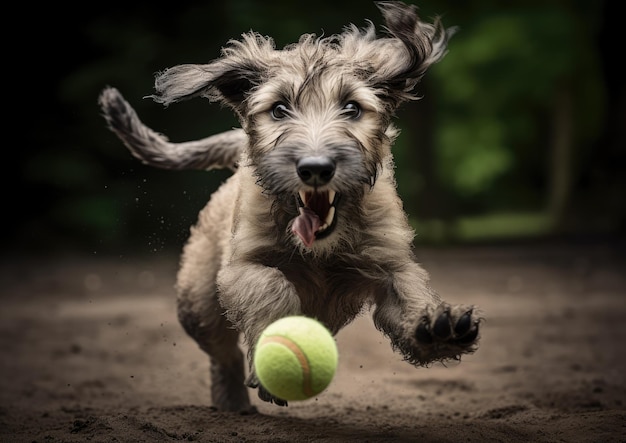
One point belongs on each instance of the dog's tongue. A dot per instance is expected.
(306, 225)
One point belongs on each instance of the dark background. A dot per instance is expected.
(520, 134)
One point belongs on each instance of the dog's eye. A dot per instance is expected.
(352, 110)
(279, 111)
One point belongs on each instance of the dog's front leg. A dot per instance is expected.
(254, 296)
(419, 324)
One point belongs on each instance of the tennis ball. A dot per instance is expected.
(295, 358)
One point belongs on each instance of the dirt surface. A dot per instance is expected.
(92, 351)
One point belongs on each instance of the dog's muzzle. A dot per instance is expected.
(317, 208)
(317, 215)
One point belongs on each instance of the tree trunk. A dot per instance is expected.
(560, 167)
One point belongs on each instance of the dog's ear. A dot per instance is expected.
(413, 47)
(228, 79)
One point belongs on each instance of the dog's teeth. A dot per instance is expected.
(329, 217)
(331, 196)
(302, 197)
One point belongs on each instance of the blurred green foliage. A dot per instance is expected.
(500, 87)
(475, 157)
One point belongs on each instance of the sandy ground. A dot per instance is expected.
(92, 351)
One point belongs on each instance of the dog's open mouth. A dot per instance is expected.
(317, 215)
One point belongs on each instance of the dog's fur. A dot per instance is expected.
(316, 123)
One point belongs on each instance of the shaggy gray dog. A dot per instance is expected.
(310, 222)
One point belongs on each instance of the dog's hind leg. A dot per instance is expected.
(199, 309)
(215, 335)
(203, 319)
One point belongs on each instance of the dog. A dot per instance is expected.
(310, 221)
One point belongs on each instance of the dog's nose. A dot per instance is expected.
(315, 171)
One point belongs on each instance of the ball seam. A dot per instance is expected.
(300, 355)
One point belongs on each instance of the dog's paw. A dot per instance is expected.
(266, 396)
(447, 333)
(253, 382)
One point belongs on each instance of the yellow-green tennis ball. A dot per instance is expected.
(295, 358)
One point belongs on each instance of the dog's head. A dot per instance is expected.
(318, 112)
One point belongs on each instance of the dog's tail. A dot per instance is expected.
(216, 152)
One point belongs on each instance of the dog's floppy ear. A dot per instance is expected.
(413, 47)
(227, 79)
